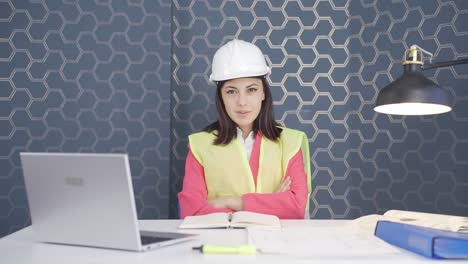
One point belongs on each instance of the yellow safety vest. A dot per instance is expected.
(227, 170)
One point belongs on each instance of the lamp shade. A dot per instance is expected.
(413, 94)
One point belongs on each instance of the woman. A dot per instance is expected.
(245, 160)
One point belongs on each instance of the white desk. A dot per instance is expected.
(20, 247)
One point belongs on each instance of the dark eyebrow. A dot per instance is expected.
(233, 87)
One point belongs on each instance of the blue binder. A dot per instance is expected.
(429, 242)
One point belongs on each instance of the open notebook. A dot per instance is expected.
(436, 221)
(231, 220)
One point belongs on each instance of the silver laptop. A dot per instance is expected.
(87, 199)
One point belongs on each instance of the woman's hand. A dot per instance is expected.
(285, 185)
(229, 202)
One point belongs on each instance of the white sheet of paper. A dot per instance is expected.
(318, 241)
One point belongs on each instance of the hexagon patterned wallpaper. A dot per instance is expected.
(87, 76)
(131, 76)
(329, 59)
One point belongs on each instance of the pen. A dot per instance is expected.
(214, 249)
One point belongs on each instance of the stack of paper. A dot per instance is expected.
(437, 221)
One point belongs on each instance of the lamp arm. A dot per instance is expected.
(444, 64)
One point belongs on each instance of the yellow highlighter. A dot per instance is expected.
(214, 249)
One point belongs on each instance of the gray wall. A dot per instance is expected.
(329, 60)
(132, 77)
(85, 77)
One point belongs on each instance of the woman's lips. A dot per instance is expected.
(242, 113)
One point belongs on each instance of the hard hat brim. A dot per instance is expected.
(237, 75)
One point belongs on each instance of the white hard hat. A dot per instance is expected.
(237, 59)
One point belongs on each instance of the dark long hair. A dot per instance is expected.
(226, 128)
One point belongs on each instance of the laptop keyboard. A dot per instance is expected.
(145, 240)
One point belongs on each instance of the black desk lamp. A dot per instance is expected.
(412, 93)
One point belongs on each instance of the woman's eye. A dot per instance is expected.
(251, 90)
(230, 91)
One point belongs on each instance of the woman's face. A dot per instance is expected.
(242, 99)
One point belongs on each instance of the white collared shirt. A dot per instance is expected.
(248, 143)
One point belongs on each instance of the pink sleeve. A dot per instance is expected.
(285, 205)
(193, 197)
